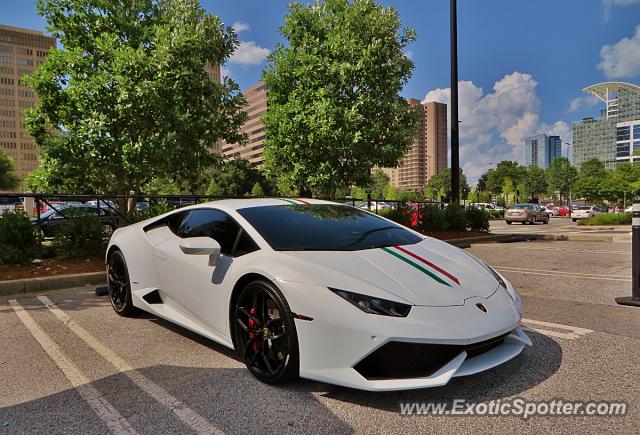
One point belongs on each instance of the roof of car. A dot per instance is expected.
(236, 204)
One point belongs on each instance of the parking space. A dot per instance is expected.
(68, 364)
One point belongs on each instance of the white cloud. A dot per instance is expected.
(494, 125)
(239, 26)
(608, 4)
(248, 53)
(623, 58)
(582, 102)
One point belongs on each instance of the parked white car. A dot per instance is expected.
(585, 212)
(548, 211)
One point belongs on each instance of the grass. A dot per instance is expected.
(608, 219)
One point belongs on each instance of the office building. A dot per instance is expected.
(253, 127)
(614, 137)
(427, 155)
(540, 150)
(21, 51)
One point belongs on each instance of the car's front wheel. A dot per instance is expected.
(119, 284)
(265, 333)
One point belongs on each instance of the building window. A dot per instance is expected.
(636, 131)
(622, 150)
(623, 133)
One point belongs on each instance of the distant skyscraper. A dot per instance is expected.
(21, 51)
(540, 150)
(254, 128)
(427, 156)
(615, 136)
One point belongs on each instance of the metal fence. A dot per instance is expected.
(36, 204)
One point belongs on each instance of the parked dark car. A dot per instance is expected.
(51, 219)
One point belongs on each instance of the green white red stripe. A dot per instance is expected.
(295, 201)
(433, 271)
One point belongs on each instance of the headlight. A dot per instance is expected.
(512, 292)
(372, 305)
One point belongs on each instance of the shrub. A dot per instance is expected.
(401, 214)
(20, 240)
(455, 217)
(432, 218)
(477, 219)
(159, 208)
(80, 235)
(608, 219)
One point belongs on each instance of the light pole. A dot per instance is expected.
(455, 128)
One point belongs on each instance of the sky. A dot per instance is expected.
(522, 63)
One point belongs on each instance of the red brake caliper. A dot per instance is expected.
(252, 325)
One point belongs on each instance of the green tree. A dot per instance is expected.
(237, 178)
(8, 179)
(590, 180)
(127, 98)
(379, 182)
(508, 190)
(442, 183)
(334, 105)
(561, 175)
(256, 190)
(535, 182)
(505, 169)
(161, 186)
(481, 186)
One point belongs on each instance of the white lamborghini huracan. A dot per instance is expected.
(318, 290)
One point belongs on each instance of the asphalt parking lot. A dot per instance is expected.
(148, 376)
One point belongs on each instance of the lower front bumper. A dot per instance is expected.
(461, 365)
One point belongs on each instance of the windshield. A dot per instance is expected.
(318, 227)
(51, 211)
(521, 206)
(584, 207)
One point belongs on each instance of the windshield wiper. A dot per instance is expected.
(368, 233)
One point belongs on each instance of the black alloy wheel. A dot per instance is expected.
(265, 333)
(119, 284)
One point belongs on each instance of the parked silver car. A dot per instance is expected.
(526, 213)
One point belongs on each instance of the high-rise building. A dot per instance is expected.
(427, 155)
(253, 127)
(614, 137)
(540, 150)
(21, 51)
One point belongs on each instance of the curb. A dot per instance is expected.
(576, 237)
(51, 283)
(495, 238)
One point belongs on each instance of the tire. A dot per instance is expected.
(575, 220)
(273, 359)
(546, 221)
(119, 285)
(509, 222)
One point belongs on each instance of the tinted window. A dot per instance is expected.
(324, 228)
(215, 224)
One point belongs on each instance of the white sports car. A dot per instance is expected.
(318, 290)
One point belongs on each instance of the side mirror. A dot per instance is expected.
(202, 246)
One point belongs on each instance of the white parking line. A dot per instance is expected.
(574, 331)
(100, 405)
(187, 415)
(558, 273)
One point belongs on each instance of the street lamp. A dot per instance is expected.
(455, 132)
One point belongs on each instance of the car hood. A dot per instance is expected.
(428, 273)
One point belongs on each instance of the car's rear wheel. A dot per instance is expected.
(546, 221)
(119, 284)
(509, 222)
(265, 333)
(107, 230)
